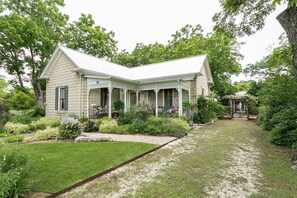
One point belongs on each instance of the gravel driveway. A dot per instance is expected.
(158, 140)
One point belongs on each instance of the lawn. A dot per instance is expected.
(54, 166)
(203, 163)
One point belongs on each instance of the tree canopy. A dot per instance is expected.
(221, 49)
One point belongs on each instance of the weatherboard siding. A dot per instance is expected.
(202, 83)
(62, 75)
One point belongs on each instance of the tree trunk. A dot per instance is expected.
(38, 93)
(288, 20)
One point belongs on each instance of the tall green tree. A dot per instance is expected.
(242, 17)
(221, 49)
(29, 30)
(85, 36)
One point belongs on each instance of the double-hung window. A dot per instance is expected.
(61, 102)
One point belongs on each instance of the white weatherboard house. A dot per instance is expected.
(78, 83)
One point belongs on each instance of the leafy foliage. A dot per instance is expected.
(21, 101)
(43, 123)
(108, 126)
(47, 134)
(89, 126)
(16, 128)
(4, 112)
(70, 130)
(205, 111)
(84, 36)
(221, 49)
(13, 139)
(13, 170)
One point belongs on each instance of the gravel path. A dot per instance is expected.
(158, 140)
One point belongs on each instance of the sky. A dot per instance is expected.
(150, 21)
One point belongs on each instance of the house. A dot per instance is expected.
(78, 83)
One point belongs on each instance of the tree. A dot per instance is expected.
(21, 101)
(84, 36)
(29, 31)
(190, 41)
(241, 17)
(3, 93)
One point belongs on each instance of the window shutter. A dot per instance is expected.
(66, 98)
(57, 98)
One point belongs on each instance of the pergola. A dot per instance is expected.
(239, 105)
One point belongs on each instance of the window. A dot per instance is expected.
(61, 102)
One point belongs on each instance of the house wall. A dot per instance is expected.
(62, 75)
(202, 83)
(95, 97)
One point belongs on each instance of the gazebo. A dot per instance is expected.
(239, 105)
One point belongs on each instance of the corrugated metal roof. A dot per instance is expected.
(179, 67)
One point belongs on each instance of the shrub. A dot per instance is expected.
(142, 112)
(47, 134)
(137, 127)
(44, 122)
(156, 125)
(118, 105)
(83, 119)
(16, 128)
(22, 101)
(205, 111)
(126, 117)
(13, 139)
(284, 130)
(178, 125)
(99, 121)
(23, 119)
(38, 112)
(121, 129)
(13, 170)
(70, 130)
(89, 126)
(108, 126)
(4, 113)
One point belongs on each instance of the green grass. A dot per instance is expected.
(54, 166)
(203, 167)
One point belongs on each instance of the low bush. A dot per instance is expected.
(156, 125)
(13, 139)
(125, 117)
(108, 126)
(99, 121)
(47, 134)
(83, 119)
(44, 122)
(23, 119)
(137, 127)
(13, 170)
(123, 129)
(89, 126)
(178, 125)
(38, 112)
(70, 130)
(16, 128)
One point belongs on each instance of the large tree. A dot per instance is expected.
(85, 36)
(29, 30)
(242, 17)
(221, 49)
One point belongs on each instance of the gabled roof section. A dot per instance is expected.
(153, 72)
(183, 66)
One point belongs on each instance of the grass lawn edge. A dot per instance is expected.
(84, 181)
